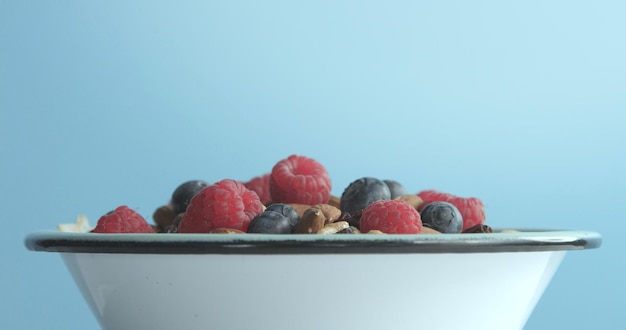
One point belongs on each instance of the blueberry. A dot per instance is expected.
(363, 192)
(396, 188)
(270, 222)
(286, 210)
(442, 217)
(183, 194)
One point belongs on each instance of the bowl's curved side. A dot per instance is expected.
(313, 291)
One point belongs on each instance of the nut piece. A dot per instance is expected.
(428, 230)
(310, 222)
(334, 201)
(375, 232)
(413, 200)
(173, 228)
(80, 226)
(300, 208)
(334, 227)
(350, 230)
(331, 213)
(226, 231)
(164, 216)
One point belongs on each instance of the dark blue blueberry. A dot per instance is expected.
(396, 188)
(270, 222)
(183, 194)
(442, 217)
(286, 210)
(363, 192)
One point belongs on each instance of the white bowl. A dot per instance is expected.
(321, 282)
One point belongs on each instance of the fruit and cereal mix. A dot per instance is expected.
(295, 198)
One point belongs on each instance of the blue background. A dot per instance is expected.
(110, 103)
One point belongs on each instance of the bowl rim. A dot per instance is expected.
(521, 240)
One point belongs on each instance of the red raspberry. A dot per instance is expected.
(391, 217)
(471, 208)
(261, 186)
(298, 179)
(225, 204)
(122, 220)
(432, 196)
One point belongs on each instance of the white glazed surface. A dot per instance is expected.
(313, 291)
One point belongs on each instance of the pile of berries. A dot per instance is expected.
(295, 198)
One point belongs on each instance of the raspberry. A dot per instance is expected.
(299, 179)
(471, 208)
(225, 204)
(432, 196)
(261, 186)
(391, 217)
(122, 220)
